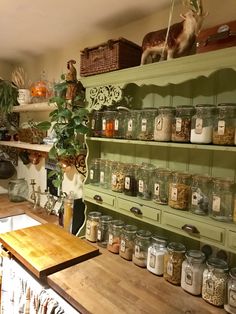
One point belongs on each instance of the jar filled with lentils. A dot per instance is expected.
(163, 124)
(145, 175)
(179, 190)
(214, 281)
(114, 233)
(181, 124)
(92, 226)
(127, 242)
(131, 124)
(146, 124)
(161, 180)
(102, 230)
(230, 300)
(141, 244)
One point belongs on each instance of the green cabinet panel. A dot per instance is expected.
(98, 197)
(232, 240)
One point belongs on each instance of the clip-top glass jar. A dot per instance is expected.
(102, 230)
(119, 122)
(141, 244)
(181, 125)
(214, 281)
(230, 300)
(114, 232)
(131, 185)
(108, 123)
(163, 124)
(200, 194)
(179, 190)
(127, 242)
(131, 123)
(156, 252)
(92, 226)
(105, 174)
(161, 180)
(118, 177)
(96, 123)
(192, 270)
(146, 124)
(94, 171)
(145, 174)
(18, 190)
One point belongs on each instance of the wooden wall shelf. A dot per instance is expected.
(23, 145)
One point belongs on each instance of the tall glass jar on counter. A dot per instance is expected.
(181, 124)
(230, 300)
(161, 180)
(131, 124)
(96, 123)
(127, 242)
(173, 262)
(214, 281)
(145, 131)
(131, 185)
(118, 177)
(114, 233)
(156, 252)
(179, 190)
(141, 244)
(224, 125)
(163, 124)
(192, 270)
(92, 226)
(94, 171)
(222, 201)
(202, 124)
(108, 123)
(102, 230)
(145, 174)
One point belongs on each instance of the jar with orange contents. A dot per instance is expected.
(108, 123)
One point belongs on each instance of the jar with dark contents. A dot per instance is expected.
(108, 123)
(94, 171)
(145, 175)
(146, 120)
(179, 190)
(119, 123)
(141, 244)
(161, 180)
(230, 300)
(131, 122)
(131, 187)
(96, 123)
(114, 233)
(102, 230)
(127, 242)
(118, 177)
(200, 194)
(163, 124)
(181, 124)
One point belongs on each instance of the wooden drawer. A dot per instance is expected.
(199, 230)
(232, 240)
(99, 197)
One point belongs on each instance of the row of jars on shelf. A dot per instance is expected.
(201, 194)
(203, 124)
(178, 266)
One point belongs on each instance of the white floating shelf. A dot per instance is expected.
(22, 145)
(44, 106)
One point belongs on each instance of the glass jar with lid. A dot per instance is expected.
(146, 120)
(102, 230)
(214, 281)
(156, 251)
(222, 201)
(141, 244)
(181, 124)
(230, 300)
(105, 173)
(224, 125)
(94, 171)
(118, 177)
(202, 124)
(114, 233)
(145, 175)
(92, 226)
(96, 123)
(192, 270)
(18, 190)
(119, 123)
(161, 180)
(108, 123)
(131, 186)
(200, 194)
(163, 124)
(173, 262)
(127, 242)
(179, 190)
(131, 122)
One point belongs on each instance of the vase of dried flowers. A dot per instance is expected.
(19, 78)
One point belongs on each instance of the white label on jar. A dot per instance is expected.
(103, 124)
(232, 298)
(110, 238)
(88, 228)
(122, 245)
(93, 124)
(102, 176)
(178, 124)
(130, 125)
(169, 269)
(159, 124)
(195, 198)
(116, 125)
(140, 186)
(144, 125)
(188, 276)
(127, 183)
(99, 235)
(157, 189)
(216, 203)
(91, 173)
(113, 179)
(174, 194)
(198, 126)
(137, 251)
(152, 260)
(210, 286)
(221, 127)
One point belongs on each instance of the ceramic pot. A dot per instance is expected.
(24, 96)
(7, 169)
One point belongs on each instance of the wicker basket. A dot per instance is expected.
(110, 56)
(31, 135)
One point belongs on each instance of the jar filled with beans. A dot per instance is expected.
(114, 233)
(181, 124)
(102, 230)
(156, 253)
(230, 300)
(92, 226)
(163, 124)
(141, 244)
(127, 242)
(161, 180)
(118, 177)
(146, 124)
(145, 175)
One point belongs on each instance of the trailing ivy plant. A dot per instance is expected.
(8, 96)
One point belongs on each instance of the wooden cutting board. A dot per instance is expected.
(47, 248)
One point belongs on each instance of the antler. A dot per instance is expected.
(194, 5)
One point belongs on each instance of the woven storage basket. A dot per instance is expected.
(112, 55)
(31, 135)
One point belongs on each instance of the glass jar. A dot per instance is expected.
(224, 125)
(173, 262)
(92, 226)
(105, 174)
(179, 190)
(181, 124)
(145, 175)
(96, 123)
(202, 124)
(200, 194)
(119, 123)
(222, 201)
(155, 257)
(131, 123)
(108, 123)
(163, 124)
(102, 230)
(127, 242)
(118, 177)
(214, 281)
(94, 171)
(146, 120)
(141, 244)
(161, 180)
(114, 232)
(18, 190)
(131, 185)
(230, 300)
(192, 270)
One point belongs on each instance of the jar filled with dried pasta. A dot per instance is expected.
(214, 281)
(145, 175)
(92, 226)
(181, 124)
(127, 242)
(102, 230)
(94, 171)
(131, 122)
(156, 252)
(163, 124)
(96, 123)
(179, 190)
(114, 233)
(146, 120)
(160, 186)
(224, 125)
(230, 300)
(173, 262)
(118, 177)
(141, 244)
(108, 123)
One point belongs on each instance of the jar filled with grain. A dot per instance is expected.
(214, 281)
(173, 262)
(118, 177)
(200, 194)
(146, 120)
(92, 226)
(141, 245)
(179, 190)
(160, 186)
(114, 233)
(192, 270)
(127, 242)
(131, 122)
(96, 123)
(131, 185)
(94, 171)
(156, 252)
(163, 124)
(230, 300)
(222, 200)
(181, 124)
(145, 175)
(102, 230)
(108, 123)
(105, 174)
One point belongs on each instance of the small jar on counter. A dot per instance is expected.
(145, 175)
(102, 230)
(92, 226)
(181, 124)
(214, 281)
(108, 123)
(163, 124)
(141, 244)
(118, 177)
(131, 185)
(94, 171)
(156, 252)
(146, 124)
(230, 300)
(161, 180)
(18, 190)
(96, 123)
(173, 262)
(127, 242)
(192, 270)
(114, 233)
(131, 123)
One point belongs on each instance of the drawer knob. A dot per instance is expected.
(136, 211)
(190, 229)
(98, 198)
